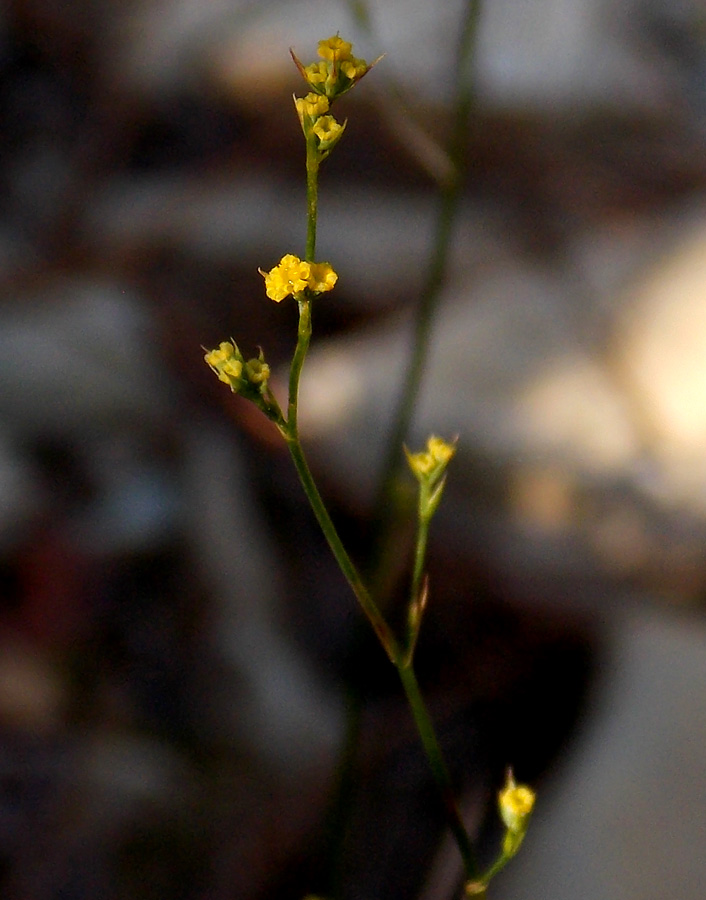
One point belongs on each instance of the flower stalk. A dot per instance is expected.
(312, 195)
(306, 281)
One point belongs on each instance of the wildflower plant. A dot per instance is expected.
(307, 281)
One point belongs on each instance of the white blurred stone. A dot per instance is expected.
(661, 350)
(507, 372)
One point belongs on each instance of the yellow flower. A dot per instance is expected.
(431, 464)
(322, 277)
(353, 68)
(312, 105)
(316, 73)
(335, 48)
(516, 802)
(337, 71)
(327, 129)
(420, 463)
(429, 468)
(439, 450)
(290, 276)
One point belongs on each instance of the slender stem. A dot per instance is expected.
(420, 553)
(295, 370)
(418, 592)
(382, 629)
(497, 866)
(400, 657)
(312, 196)
(433, 752)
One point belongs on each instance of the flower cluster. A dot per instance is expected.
(335, 74)
(337, 71)
(316, 121)
(291, 276)
(232, 369)
(249, 378)
(429, 467)
(430, 464)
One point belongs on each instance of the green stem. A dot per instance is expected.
(433, 753)
(418, 592)
(478, 887)
(312, 196)
(400, 657)
(382, 629)
(295, 370)
(369, 607)
(419, 557)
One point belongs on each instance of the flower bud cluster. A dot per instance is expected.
(429, 468)
(335, 74)
(249, 378)
(337, 71)
(292, 276)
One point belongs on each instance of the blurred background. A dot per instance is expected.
(188, 697)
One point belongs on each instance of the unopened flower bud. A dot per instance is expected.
(515, 802)
(227, 363)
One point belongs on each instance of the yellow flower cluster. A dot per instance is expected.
(337, 71)
(291, 276)
(335, 48)
(429, 468)
(431, 464)
(314, 119)
(230, 367)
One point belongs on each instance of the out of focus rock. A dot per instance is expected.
(660, 344)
